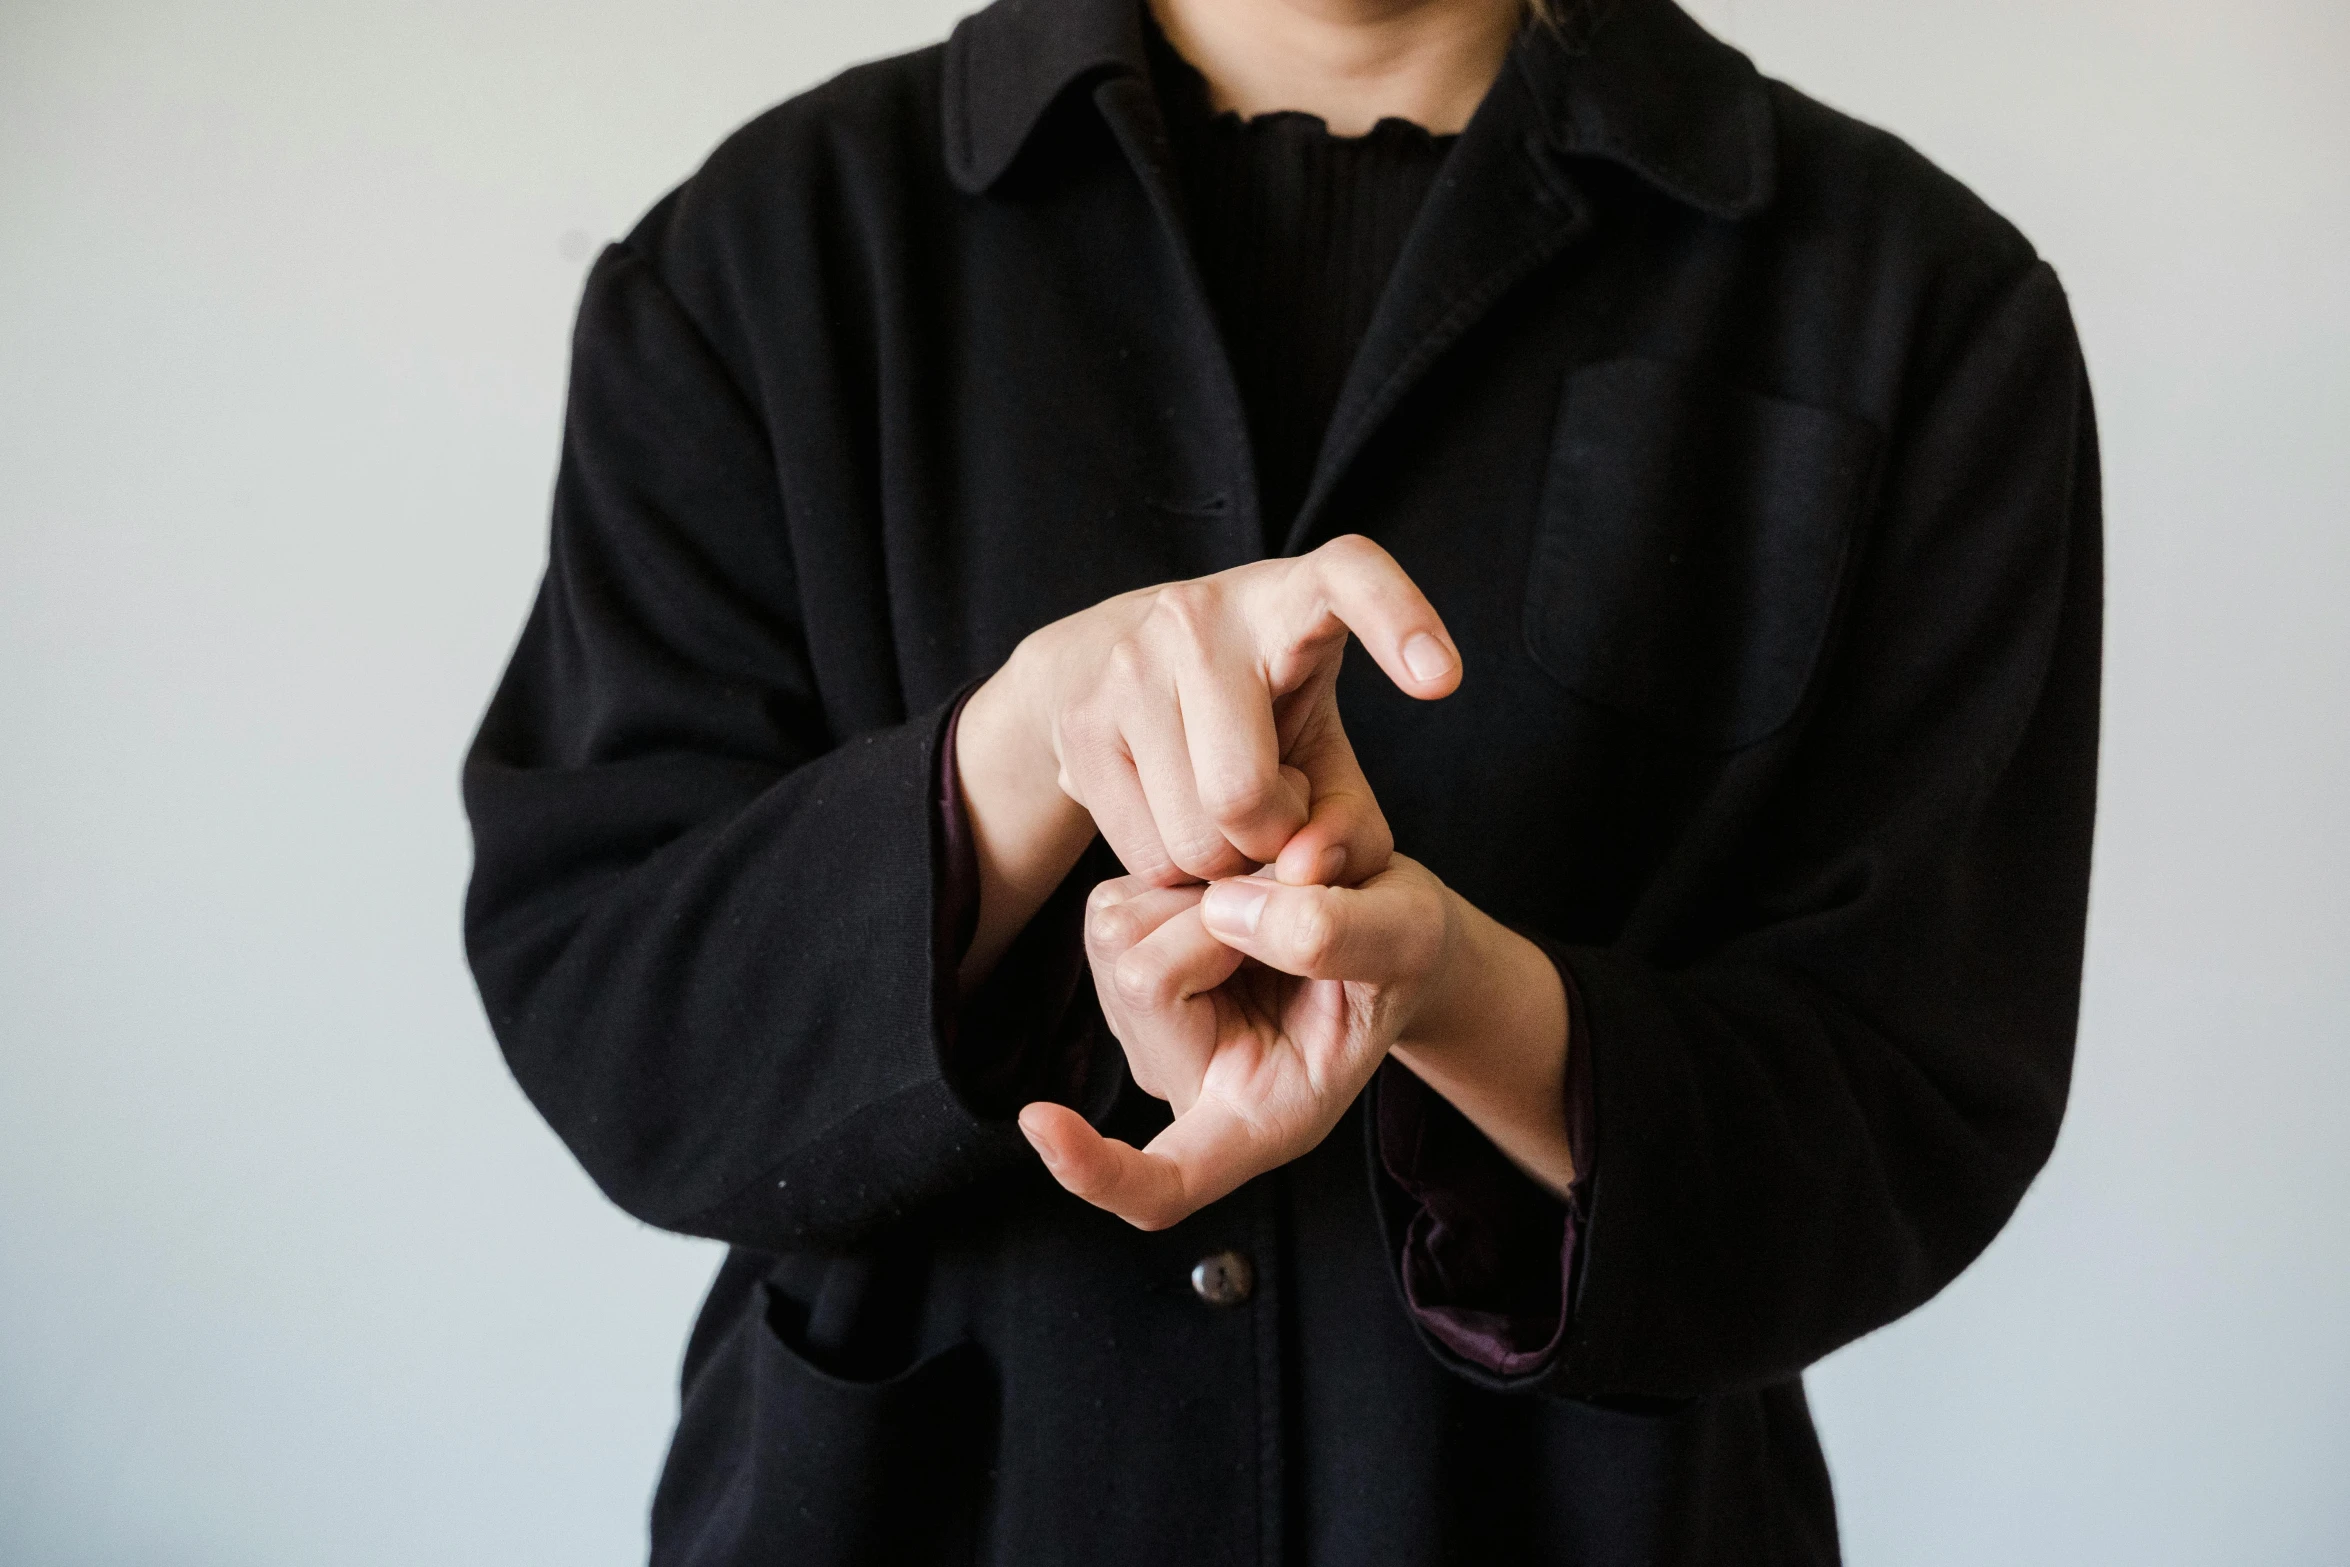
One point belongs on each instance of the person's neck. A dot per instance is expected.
(1352, 62)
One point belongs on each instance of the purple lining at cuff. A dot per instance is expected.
(1489, 1257)
(955, 906)
(958, 884)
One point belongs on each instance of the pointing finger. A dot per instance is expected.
(1352, 583)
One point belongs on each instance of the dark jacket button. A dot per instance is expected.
(1224, 1279)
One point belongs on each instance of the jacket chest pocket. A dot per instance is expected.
(1689, 546)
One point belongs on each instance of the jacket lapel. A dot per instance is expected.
(1500, 209)
(1127, 104)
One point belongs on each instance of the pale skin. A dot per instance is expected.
(1268, 948)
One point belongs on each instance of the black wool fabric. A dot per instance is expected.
(1296, 232)
(1750, 461)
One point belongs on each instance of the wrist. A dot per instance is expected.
(1494, 1044)
(1445, 1010)
(1026, 832)
(1492, 991)
(1006, 741)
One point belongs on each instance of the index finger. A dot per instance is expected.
(1351, 584)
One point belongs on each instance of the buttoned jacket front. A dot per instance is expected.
(1749, 461)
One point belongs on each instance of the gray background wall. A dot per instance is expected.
(288, 1271)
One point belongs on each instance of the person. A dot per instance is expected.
(1325, 766)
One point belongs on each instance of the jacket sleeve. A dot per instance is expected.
(1810, 1122)
(702, 923)
(1485, 1257)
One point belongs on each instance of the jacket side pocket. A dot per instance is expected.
(778, 1460)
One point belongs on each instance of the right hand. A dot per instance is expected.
(1196, 723)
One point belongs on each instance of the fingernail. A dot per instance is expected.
(1329, 863)
(1234, 907)
(1037, 1143)
(1425, 657)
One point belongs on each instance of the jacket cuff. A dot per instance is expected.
(1486, 1257)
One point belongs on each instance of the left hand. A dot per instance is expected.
(1258, 1058)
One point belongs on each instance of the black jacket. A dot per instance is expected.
(1748, 458)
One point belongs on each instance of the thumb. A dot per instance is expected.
(1205, 1153)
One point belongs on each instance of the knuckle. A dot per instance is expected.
(1139, 850)
(1146, 865)
(1126, 667)
(1134, 839)
(1314, 933)
(1185, 610)
(1201, 856)
(1140, 981)
(1239, 794)
(1353, 552)
(1109, 930)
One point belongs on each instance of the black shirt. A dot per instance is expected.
(1296, 232)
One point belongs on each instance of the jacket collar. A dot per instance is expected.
(1640, 85)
